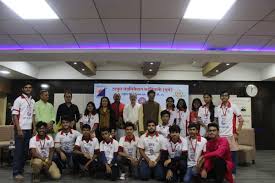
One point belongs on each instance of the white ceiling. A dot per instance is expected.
(140, 23)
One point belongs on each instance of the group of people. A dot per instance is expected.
(118, 141)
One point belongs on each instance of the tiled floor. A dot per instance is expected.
(262, 172)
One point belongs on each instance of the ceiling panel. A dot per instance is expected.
(30, 41)
(263, 28)
(163, 8)
(85, 25)
(252, 42)
(6, 13)
(122, 25)
(16, 27)
(49, 26)
(92, 40)
(156, 40)
(196, 26)
(165, 26)
(270, 45)
(124, 40)
(233, 27)
(221, 41)
(189, 41)
(74, 8)
(250, 9)
(60, 40)
(118, 8)
(7, 42)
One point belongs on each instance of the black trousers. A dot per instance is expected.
(80, 161)
(101, 172)
(218, 171)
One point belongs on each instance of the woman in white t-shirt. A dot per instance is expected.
(206, 113)
(90, 117)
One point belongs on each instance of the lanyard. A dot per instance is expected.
(224, 112)
(206, 111)
(193, 148)
(176, 145)
(42, 146)
(27, 100)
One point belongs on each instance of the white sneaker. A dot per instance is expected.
(122, 176)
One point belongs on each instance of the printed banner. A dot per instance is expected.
(162, 92)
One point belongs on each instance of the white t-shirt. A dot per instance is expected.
(90, 120)
(42, 146)
(66, 141)
(227, 118)
(24, 108)
(109, 149)
(173, 116)
(152, 145)
(183, 119)
(195, 149)
(129, 147)
(176, 149)
(204, 115)
(87, 147)
(131, 113)
(163, 130)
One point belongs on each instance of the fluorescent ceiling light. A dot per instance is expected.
(5, 72)
(208, 9)
(31, 9)
(45, 86)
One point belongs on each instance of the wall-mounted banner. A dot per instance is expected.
(162, 92)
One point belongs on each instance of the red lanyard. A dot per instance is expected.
(29, 103)
(173, 149)
(42, 147)
(224, 112)
(193, 148)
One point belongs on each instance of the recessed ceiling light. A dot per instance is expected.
(31, 9)
(208, 9)
(5, 72)
(151, 63)
(45, 86)
(75, 63)
(227, 64)
(217, 70)
(150, 70)
(83, 69)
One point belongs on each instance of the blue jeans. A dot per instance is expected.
(21, 151)
(62, 164)
(145, 171)
(234, 156)
(190, 172)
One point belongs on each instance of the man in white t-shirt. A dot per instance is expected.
(163, 128)
(175, 155)
(226, 115)
(127, 151)
(131, 111)
(108, 165)
(24, 119)
(150, 145)
(86, 151)
(64, 144)
(196, 146)
(42, 148)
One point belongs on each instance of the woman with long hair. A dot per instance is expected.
(206, 113)
(90, 117)
(170, 107)
(182, 119)
(196, 104)
(106, 116)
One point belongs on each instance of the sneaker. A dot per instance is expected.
(122, 176)
(35, 178)
(19, 177)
